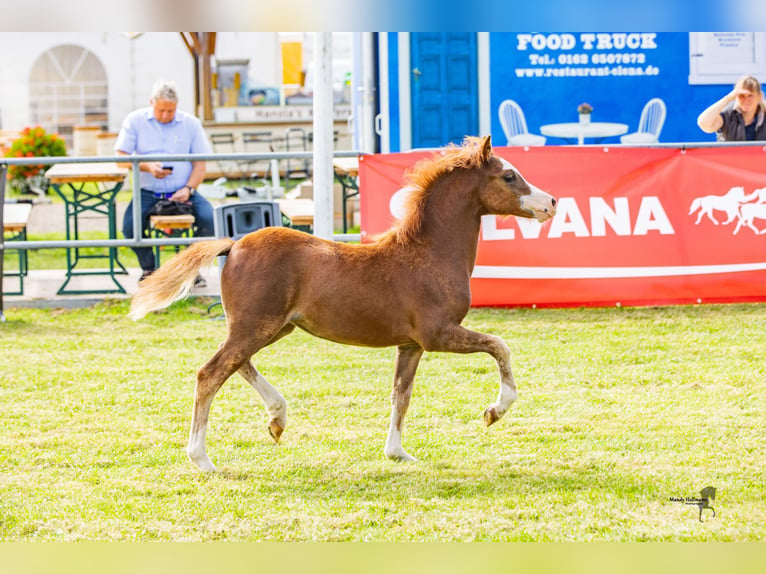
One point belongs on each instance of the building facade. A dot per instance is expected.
(407, 90)
(435, 86)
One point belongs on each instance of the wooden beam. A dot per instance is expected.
(201, 46)
(188, 42)
(207, 48)
(195, 41)
(211, 43)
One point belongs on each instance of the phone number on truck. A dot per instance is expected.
(601, 58)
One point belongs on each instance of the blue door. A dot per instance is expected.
(444, 80)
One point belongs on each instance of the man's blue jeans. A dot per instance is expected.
(203, 223)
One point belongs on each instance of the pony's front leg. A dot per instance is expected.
(407, 359)
(458, 339)
(507, 394)
(275, 403)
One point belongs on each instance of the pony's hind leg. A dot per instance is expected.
(275, 403)
(407, 359)
(228, 359)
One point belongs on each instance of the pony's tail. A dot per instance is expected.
(695, 205)
(175, 279)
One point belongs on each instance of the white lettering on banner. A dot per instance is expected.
(530, 229)
(543, 41)
(568, 219)
(615, 41)
(598, 57)
(651, 216)
(490, 231)
(601, 214)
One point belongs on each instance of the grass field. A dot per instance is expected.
(620, 410)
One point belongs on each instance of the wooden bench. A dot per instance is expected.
(15, 220)
(169, 226)
(299, 211)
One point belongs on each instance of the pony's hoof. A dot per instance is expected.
(199, 458)
(275, 430)
(401, 456)
(204, 464)
(490, 416)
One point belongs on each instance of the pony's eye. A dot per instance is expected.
(509, 176)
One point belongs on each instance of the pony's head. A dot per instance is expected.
(508, 193)
(474, 171)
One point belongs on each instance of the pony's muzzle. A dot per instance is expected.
(540, 205)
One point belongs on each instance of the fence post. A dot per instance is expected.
(3, 170)
(323, 170)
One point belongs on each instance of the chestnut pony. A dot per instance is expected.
(409, 289)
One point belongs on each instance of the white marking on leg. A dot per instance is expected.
(275, 403)
(195, 449)
(505, 398)
(393, 448)
(507, 394)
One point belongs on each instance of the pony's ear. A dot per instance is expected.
(486, 149)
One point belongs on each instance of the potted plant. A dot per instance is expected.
(584, 109)
(33, 142)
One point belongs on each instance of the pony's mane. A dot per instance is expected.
(422, 177)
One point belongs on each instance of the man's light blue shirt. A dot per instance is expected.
(142, 134)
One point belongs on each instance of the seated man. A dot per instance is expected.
(162, 129)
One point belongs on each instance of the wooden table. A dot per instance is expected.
(346, 166)
(108, 179)
(299, 211)
(347, 174)
(15, 219)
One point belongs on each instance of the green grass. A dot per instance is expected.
(619, 410)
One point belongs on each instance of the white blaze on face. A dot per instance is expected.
(508, 165)
(540, 203)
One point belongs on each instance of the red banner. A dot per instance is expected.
(635, 226)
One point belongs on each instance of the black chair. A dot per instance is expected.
(296, 139)
(257, 142)
(230, 169)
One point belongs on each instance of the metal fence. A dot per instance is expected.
(138, 240)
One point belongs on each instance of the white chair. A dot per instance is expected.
(650, 124)
(515, 126)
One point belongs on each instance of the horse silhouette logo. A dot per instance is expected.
(759, 195)
(703, 502)
(706, 495)
(747, 213)
(736, 205)
(728, 203)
